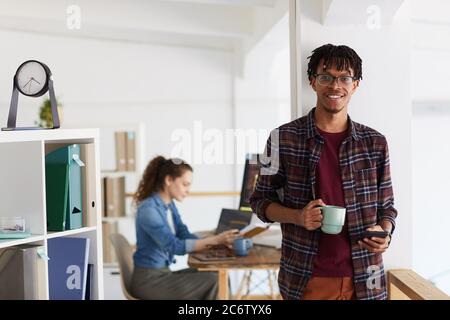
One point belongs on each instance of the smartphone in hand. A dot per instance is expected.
(377, 234)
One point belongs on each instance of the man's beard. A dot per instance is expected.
(331, 110)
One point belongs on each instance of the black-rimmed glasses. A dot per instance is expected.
(327, 79)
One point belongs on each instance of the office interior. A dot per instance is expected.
(207, 81)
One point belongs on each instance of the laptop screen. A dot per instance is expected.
(251, 172)
(233, 219)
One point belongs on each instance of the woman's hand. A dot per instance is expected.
(227, 237)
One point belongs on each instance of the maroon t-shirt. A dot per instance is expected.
(334, 257)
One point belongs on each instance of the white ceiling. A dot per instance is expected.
(355, 12)
(255, 3)
(219, 24)
(429, 19)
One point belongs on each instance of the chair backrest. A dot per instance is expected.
(124, 254)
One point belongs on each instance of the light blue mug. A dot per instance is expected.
(241, 246)
(333, 219)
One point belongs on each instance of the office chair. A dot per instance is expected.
(124, 254)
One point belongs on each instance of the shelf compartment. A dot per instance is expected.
(21, 169)
(95, 253)
(90, 182)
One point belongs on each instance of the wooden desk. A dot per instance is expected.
(259, 257)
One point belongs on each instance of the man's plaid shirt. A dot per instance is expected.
(366, 179)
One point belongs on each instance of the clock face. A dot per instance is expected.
(31, 78)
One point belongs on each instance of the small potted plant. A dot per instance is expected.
(45, 114)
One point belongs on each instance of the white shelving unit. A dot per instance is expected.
(22, 190)
(125, 224)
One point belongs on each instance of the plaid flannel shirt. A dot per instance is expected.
(366, 179)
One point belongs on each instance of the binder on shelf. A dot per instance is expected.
(41, 272)
(56, 188)
(131, 151)
(22, 273)
(88, 177)
(103, 196)
(67, 268)
(109, 254)
(121, 150)
(63, 172)
(89, 282)
(115, 196)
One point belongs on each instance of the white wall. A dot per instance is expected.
(431, 120)
(165, 87)
(262, 88)
(431, 174)
(262, 103)
(103, 83)
(430, 68)
(382, 101)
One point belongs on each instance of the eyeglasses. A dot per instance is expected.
(326, 80)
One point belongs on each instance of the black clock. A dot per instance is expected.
(33, 79)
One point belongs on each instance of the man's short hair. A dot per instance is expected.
(342, 57)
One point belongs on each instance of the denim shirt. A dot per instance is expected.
(156, 243)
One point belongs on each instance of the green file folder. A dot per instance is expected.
(56, 187)
(63, 185)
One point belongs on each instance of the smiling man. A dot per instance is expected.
(326, 158)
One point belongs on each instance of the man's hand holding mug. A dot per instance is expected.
(310, 216)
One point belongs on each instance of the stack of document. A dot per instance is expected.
(269, 238)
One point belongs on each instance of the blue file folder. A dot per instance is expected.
(67, 268)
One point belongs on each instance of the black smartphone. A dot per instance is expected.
(377, 234)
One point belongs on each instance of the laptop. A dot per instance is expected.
(233, 219)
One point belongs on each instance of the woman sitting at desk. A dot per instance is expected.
(161, 234)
